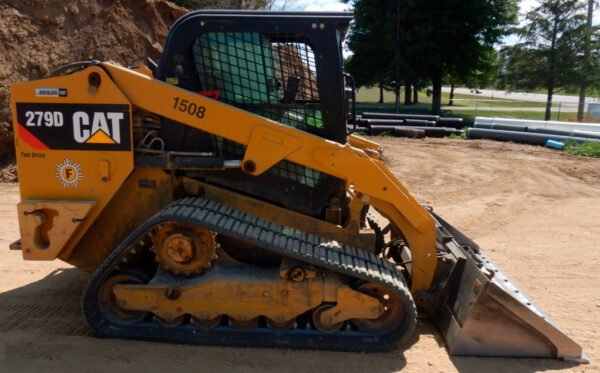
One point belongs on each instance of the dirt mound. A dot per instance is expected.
(37, 36)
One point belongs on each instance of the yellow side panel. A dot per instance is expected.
(73, 142)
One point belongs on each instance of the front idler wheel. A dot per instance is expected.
(393, 314)
(108, 301)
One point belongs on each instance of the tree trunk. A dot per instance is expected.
(451, 102)
(436, 100)
(581, 106)
(548, 115)
(586, 61)
(380, 93)
(408, 94)
(550, 81)
(397, 92)
(397, 56)
(415, 95)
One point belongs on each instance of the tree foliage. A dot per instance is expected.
(371, 43)
(436, 38)
(550, 52)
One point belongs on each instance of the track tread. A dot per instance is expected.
(277, 238)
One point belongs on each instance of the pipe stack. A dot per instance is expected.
(533, 132)
(407, 125)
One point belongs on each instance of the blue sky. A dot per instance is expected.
(336, 5)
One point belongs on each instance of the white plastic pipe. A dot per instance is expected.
(553, 125)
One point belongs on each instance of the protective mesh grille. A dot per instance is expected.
(270, 75)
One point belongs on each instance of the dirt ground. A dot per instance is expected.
(534, 211)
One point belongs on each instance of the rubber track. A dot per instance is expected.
(277, 238)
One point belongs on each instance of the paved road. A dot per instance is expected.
(523, 96)
(563, 109)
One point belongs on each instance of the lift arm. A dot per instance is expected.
(268, 142)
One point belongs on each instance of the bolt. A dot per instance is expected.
(249, 166)
(297, 274)
(94, 81)
(172, 293)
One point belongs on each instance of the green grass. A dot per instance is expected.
(371, 95)
(533, 115)
(367, 101)
(488, 101)
(586, 149)
(461, 136)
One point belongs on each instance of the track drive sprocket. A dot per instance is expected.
(183, 249)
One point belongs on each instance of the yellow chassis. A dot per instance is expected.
(267, 143)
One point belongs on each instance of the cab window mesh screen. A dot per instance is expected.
(270, 75)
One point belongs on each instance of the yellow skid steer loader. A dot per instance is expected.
(217, 198)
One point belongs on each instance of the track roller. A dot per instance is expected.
(324, 325)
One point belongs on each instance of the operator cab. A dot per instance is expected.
(285, 66)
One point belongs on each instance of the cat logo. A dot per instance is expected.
(101, 128)
(105, 127)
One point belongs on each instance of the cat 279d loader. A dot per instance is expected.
(217, 198)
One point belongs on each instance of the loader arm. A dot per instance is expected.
(269, 142)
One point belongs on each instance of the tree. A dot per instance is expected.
(454, 37)
(550, 51)
(589, 71)
(477, 78)
(372, 44)
(411, 40)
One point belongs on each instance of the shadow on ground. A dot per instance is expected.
(42, 328)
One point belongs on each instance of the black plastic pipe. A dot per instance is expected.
(395, 122)
(502, 127)
(370, 115)
(521, 137)
(397, 131)
(429, 131)
(582, 134)
(450, 122)
(574, 133)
